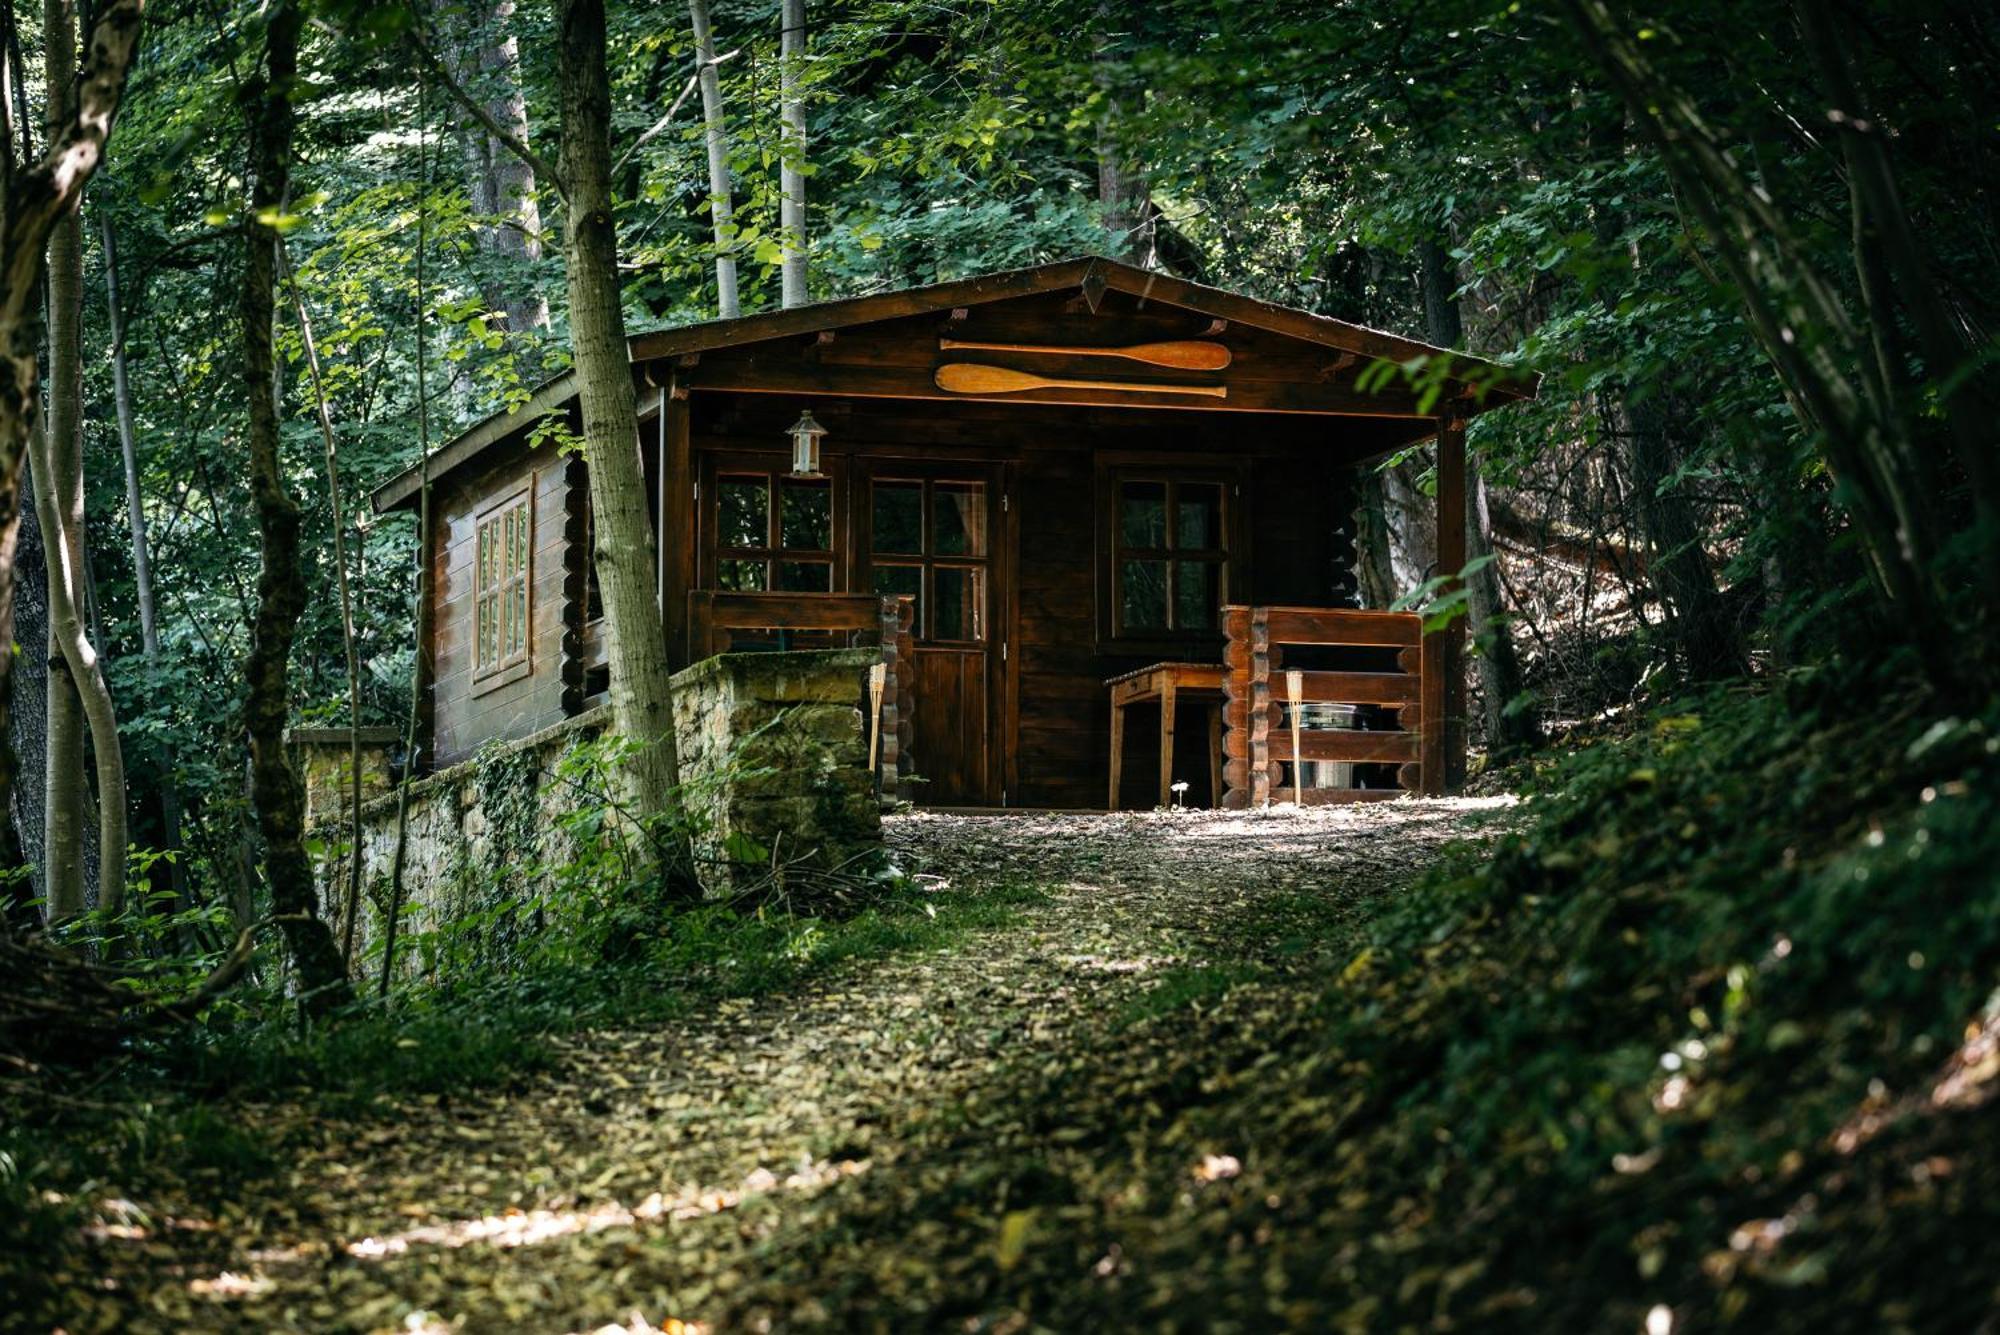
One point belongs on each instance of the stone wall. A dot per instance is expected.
(774, 764)
(774, 750)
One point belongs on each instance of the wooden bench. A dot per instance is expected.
(1167, 682)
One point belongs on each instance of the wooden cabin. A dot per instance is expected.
(1071, 473)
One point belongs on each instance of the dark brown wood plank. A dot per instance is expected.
(1340, 744)
(1324, 625)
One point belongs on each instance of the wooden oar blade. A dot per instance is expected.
(967, 378)
(971, 378)
(1188, 354)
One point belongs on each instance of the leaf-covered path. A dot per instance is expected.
(698, 1170)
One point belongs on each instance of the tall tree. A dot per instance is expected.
(32, 203)
(142, 555)
(78, 691)
(641, 689)
(792, 168)
(485, 59)
(1508, 726)
(281, 587)
(716, 136)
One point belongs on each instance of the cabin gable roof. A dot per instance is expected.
(1090, 278)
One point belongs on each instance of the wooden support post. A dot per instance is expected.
(676, 523)
(1167, 741)
(1117, 752)
(1443, 651)
(1295, 691)
(1215, 711)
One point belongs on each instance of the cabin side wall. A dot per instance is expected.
(466, 713)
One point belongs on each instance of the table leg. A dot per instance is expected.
(1166, 744)
(1117, 751)
(1215, 754)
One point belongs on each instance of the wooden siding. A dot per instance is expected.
(463, 715)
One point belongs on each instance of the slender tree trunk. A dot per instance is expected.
(281, 587)
(351, 658)
(1124, 200)
(59, 505)
(400, 850)
(716, 134)
(1378, 565)
(1705, 637)
(1412, 525)
(485, 58)
(33, 200)
(142, 558)
(791, 175)
(1500, 682)
(29, 733)
(641, 692)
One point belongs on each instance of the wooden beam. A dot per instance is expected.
(1443, 753)
(677, 521)
(1451, 557)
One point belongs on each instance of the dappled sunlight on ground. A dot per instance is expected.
(637, 1187)
(525, 1228)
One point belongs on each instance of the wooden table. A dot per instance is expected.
(1166, 682)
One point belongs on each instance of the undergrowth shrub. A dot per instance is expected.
(1668, 1045)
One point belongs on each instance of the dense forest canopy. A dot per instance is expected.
(1373, 163)
(261, 257)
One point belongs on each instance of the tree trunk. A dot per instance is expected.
(721, 207)
(486, 59)
(1500, 682)
(35, 200)
(1412, 525)
(58, 460)
(142, 559)
(29, 736)
(281, 587)
(641, 694)
(1705, 638)
(1124, 201)
(791, 172)
(1378, 566)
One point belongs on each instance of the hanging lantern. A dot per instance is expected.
(806, 435)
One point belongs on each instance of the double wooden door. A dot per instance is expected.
(934, 531)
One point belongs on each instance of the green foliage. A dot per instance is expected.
(1671, 1039)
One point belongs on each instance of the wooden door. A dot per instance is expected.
(933, 531)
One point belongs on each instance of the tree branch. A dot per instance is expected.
(543, 169)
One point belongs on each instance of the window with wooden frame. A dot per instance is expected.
(1168, 557)
(503, 554)
(773, 533)
(928, 540)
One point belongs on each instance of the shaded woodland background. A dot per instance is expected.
(1460, 172)
(1708, 1031)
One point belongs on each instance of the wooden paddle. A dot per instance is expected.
(965, 378)
(1191, 354)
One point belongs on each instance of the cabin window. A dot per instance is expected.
(503, 548)
(928, 540)
(1169, 554)
(773, 533)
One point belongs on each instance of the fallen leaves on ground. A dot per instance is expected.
(659, 1175)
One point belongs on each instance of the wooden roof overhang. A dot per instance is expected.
(886, 346)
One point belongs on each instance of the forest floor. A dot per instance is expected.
(734, 1168)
